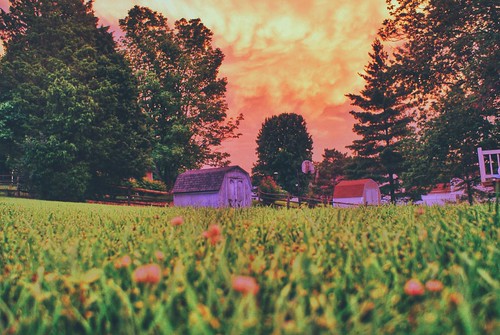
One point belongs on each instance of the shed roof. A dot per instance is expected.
(204, 180)
(352, 188)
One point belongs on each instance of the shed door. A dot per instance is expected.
(371, 197)
(236, 192)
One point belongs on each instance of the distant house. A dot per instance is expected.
(441, 194)
(489, 165)
(149, 176)
(218, 187)
(356, 192)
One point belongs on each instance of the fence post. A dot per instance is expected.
(129, 195)
(288, 201)
(18, 191)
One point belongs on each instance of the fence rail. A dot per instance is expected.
(288, 200)
(130, 196)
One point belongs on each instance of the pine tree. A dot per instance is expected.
(382, 123)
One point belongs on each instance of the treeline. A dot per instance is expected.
(79, 110)
(430, 100)
(428, 105)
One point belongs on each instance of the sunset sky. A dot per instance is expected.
(281, 56)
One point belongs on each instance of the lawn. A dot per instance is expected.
(69, 268)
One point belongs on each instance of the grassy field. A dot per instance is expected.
(93, 269)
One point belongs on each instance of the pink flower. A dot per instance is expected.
(177, 221)
(149, 274)
(123, 262)
(456, 298)
(414, 287)
(159, 255)
(245, 285)
(434, 285)
(213, 234)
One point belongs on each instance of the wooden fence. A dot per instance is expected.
(11, 187)
(129, 196)
(288, 200)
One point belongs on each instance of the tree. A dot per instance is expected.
(383, 122)
(69, 121)
(180, 90)
(447, 43)
(449, 63)
(447, 147)
(283, 143)
(329, 172)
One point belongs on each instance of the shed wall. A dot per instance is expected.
(372, 195)
(201, 199)
(440, 198)
(347, 202)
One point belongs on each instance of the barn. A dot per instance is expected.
(217, 187)
(441, 194)
(356, 192)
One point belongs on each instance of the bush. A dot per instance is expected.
(270, 191)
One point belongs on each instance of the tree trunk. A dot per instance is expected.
(468, 182)
(391, 188)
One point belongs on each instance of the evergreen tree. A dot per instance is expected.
(329, 172)
(283, 143)
(180, 90)
(382, 123)
(69, 121)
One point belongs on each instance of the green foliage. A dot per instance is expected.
(63, 86)
(270, 191)
(268, 185)
(155, 185)
(319, 271)
(180, 90)
(55, 171)
(449, 64)
(330, 171)
(283, 143)
(383, 123)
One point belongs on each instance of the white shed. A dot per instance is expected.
(218, 187)
(441, 194)
(356, 192)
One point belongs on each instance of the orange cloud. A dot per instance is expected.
(281, 56)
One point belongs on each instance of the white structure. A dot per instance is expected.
(489, 165)
(442, 194)
(219, 187)
(356, 192)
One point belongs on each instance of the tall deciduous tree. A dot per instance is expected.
(382, 123)
(449, 61)
(283, 143)
(69, 120)
(180, 90)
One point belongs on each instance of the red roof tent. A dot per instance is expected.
(356, 192)
(351, 188)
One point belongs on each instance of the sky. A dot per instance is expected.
(281, 56)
